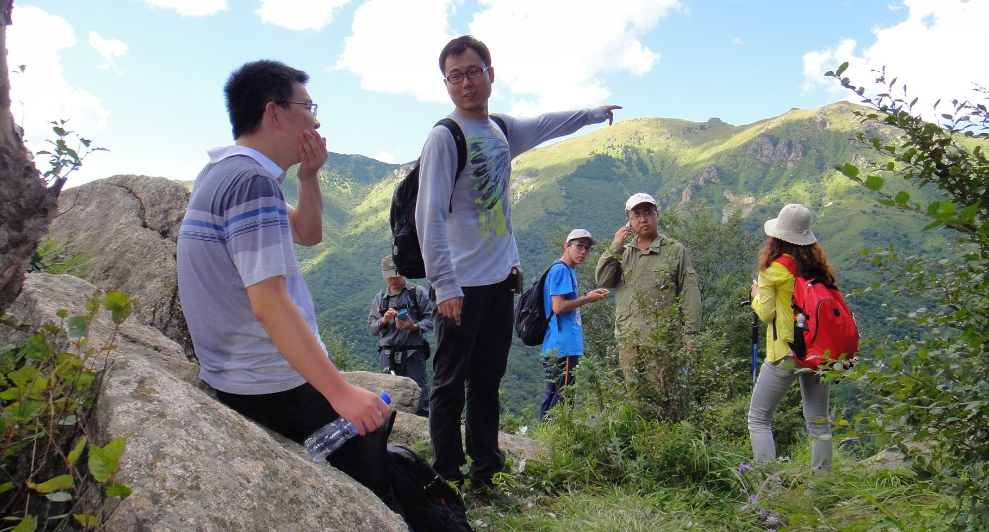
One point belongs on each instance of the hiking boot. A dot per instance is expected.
(487, 493)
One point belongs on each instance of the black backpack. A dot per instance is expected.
(405, 249)
(427, 501)
(531, 320)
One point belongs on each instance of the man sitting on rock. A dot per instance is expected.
(249, 311)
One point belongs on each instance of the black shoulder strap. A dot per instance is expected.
(559, 326)
(499, 120)
(414, 296)
(458, 138)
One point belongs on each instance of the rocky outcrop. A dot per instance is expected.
(127, 227)
(771, 150)
(710, 174)
(26, 203)
(192, 463)
(745, 204)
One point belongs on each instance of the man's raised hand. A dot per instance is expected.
(312, 149)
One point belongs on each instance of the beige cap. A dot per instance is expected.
(581, 233)
(388, 268)
(792, 225)
(636, 199)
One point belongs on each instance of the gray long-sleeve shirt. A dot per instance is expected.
(473, 245)
(389, 334)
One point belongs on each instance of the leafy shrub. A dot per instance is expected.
(51, 257)
(933, 388)
(48, 389)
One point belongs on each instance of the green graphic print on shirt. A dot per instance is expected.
(491, 164)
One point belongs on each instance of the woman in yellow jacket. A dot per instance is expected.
(789, 234)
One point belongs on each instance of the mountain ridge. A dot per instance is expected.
(584, 180)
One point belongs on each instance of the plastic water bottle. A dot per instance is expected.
(801, 321)
(331, 436)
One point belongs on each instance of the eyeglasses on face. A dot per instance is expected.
(472, 73)
(641, 214)
(582, 247)
(308, 105)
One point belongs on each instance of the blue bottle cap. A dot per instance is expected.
(385, 397)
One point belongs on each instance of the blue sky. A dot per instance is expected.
(144, 78)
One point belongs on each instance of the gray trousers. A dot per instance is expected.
(771, 386)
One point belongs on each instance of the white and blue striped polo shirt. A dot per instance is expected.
(236, 233)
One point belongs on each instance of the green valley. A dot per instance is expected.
(711, 169)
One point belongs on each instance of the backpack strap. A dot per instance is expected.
(458, 138)
(414, 296)
(382, 299)
(499, 120)
(787, 262)
(559, 326)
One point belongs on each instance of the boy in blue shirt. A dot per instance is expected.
(564, 341)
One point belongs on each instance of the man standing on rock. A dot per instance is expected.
(465, 232)
(249, 311)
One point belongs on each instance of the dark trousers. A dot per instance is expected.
(559, 374)
(469, 363)
(411, 363)
(298, 412)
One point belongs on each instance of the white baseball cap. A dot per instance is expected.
(636, 199)
(581, 233)
(388, 268)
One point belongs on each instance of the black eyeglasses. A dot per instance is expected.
(472, 73)
(308, 105)
(582, 247)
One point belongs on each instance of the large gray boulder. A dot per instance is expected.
(192, 463)
(127, 227)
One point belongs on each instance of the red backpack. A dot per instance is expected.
(819, 311)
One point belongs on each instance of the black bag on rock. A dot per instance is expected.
(428, 503)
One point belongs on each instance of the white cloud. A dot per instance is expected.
(929, 52)
(737, 41)
(568, 44)
(299, 15)
(41, 94)
(191, 8)
(557, 65)
(385, 157)
(109, 49)
(395, 46)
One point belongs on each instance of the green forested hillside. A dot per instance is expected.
(583, 182)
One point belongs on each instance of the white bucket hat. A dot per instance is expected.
(581, 233)
(792, 225)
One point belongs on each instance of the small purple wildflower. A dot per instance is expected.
(773, 519)
(743, 468)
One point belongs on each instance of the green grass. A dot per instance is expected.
(611, 469)
(852, 498)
